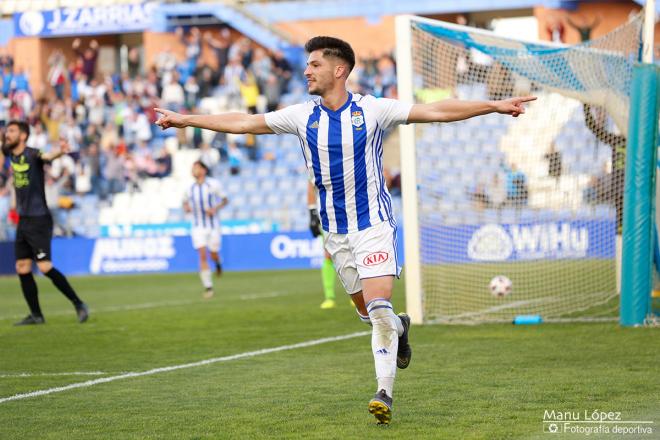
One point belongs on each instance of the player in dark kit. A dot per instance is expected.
(35, 225)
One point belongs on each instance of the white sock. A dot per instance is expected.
(205, 276)
(363, 318)
(384, 342)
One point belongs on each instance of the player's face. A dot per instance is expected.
(12, 138)
(319, 73)
(198, 171)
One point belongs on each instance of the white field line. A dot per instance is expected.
(72, 373)
(156, 304)
(233, 357)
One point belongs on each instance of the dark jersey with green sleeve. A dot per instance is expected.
(28, 170)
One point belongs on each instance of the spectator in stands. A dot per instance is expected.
(38, 138)
(193, 43)
(63, 170)
(173, 96)
(7, 77)
(250, 93)
(144, 161)
(113, 171)
(282, 70)
(261, 66)
(109, 136)
(220, 46)
(71, 132)
(165, 64)
(134, 63)
(207, 78)
(87, 57)
(554, 162)
(57, 73)
(235, 158)
(5, 104)
(233, 76)
(273, 93)
(516, 187)
(163, 163)
(90, 165)
(191, 90)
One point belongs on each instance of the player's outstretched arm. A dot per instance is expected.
(233, 122)
(57, 152)
(451, 110)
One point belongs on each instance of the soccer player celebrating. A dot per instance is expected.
(35, 224)
(327, 269)
(204, 198)
(341, 135)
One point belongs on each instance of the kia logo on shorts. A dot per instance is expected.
(375, 258)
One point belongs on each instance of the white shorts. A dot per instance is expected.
(363, 254)
(206, 237)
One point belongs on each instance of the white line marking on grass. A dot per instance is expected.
(72, 373)
(232, 357)
(157, 304)
(503, 307)
(252, 296)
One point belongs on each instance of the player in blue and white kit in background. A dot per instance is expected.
(341, 136)
(204, 199)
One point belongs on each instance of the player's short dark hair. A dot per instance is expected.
(203, 165)
(332, 47)
(23, 126)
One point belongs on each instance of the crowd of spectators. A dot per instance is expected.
(108, 119)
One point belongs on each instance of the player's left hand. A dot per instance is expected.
(169, 119)
(513, 106)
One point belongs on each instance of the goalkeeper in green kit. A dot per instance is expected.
(327, 270)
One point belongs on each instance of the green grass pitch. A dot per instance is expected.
(481, 382)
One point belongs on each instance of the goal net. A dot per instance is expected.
(537, 199)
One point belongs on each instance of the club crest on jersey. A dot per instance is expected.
(357, 119)
(375, 258)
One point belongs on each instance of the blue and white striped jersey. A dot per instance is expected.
(343, 150)
(202, 196)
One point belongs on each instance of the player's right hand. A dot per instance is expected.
(169, 119)
(314, 223)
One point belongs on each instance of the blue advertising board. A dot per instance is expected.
(556, 240)
(109, 255)
(85, 20)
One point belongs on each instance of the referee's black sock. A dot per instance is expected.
(60, 281)
(30, 292)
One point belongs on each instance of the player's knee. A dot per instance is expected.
(381, 314)
(23, 267)
(44, 266)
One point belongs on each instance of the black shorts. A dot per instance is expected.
(33, 236)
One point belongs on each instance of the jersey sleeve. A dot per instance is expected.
(37, 156)
(392, 112)
(284, 120)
